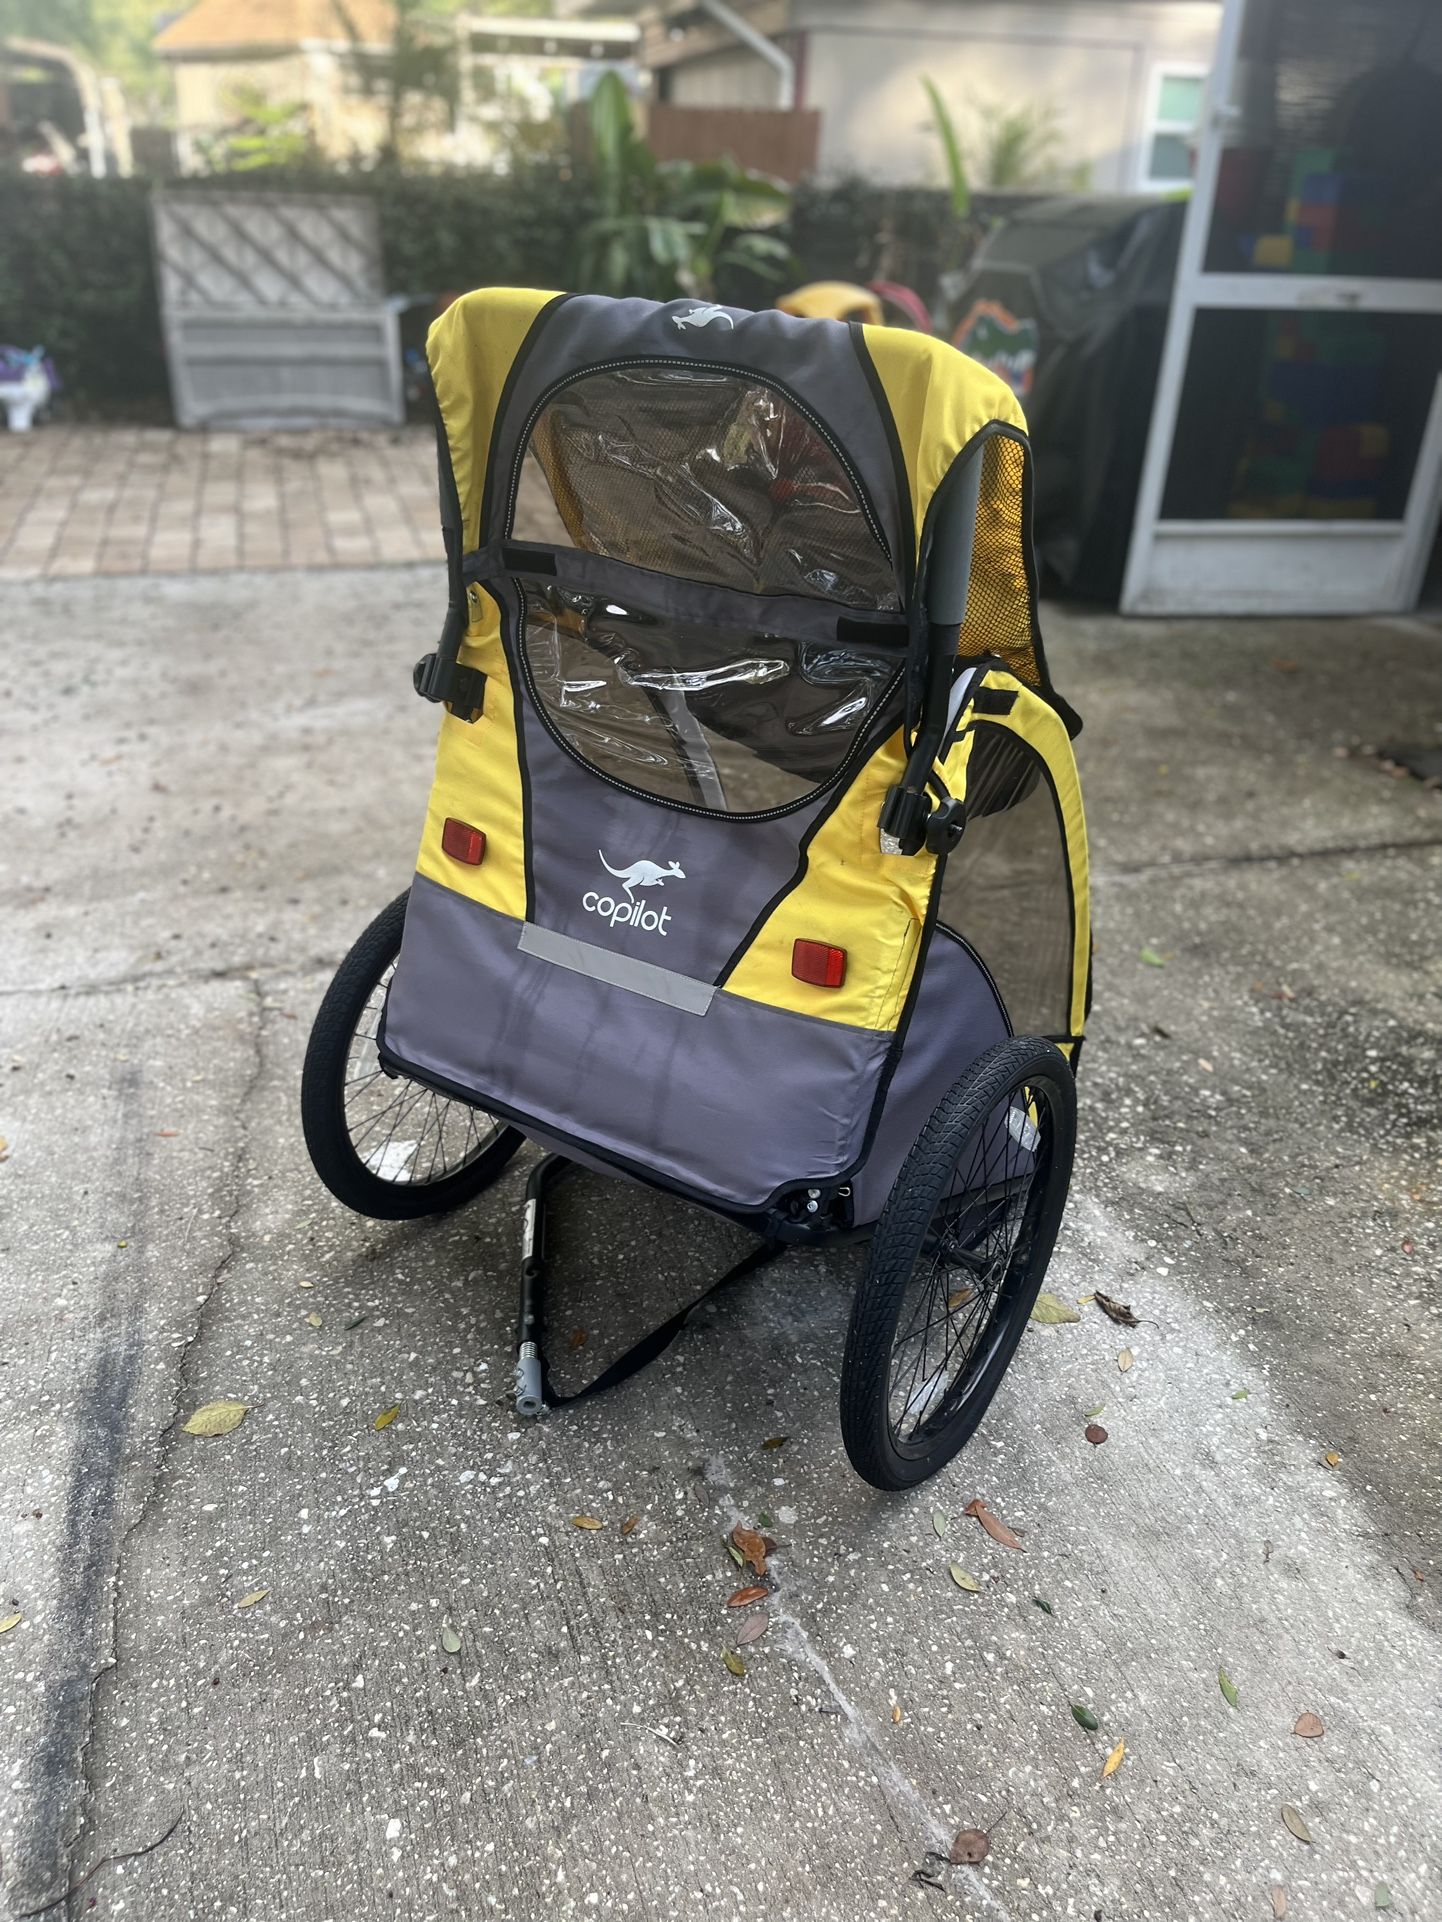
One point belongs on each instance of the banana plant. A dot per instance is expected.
(670, 227)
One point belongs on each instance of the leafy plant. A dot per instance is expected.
(267, 133)
(669, 227)
(1014, 149)
(946, 133)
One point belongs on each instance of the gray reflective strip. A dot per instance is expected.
(618, 970)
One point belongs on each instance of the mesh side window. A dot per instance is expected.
(705, 474)
(1007, 888)
(729, 721)
(998, 604)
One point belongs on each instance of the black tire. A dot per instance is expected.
(351, 1110)
(980, 1195)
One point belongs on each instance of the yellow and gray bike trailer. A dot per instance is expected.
(754, 866)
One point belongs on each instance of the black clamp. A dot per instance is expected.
(463, 689)
(945, 825)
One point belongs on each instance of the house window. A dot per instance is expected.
(1170, 132)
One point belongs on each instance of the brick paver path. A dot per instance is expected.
(135, 500)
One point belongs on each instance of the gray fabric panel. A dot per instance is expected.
(666, 594)
(955, 1020)
(620, 970)
(815, 358)
(733, 1103)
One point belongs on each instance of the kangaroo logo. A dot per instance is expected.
(643, 874)
(631, 913)
(702, 317)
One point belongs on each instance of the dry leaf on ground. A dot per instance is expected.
(450, 1641)
(776, 1441)
(997, 1529)
(1295, 1823)
(1228, 1687)
(753, 1628)
(744, 1597)
(1125, 1360)
(895, 1713)
(1308, 1725)
(250, 1600)
(939, 1523)
(1115, 1759)
(630, 1525)
(963, 1580)
(1381, 1896)
(1095, 1433)
(1052, 1311)
(733, 1661)
(1085, 1718)
(1331, 1458)
(752, 1547)
(1279, 1903)
(1116, 1310)
(970, 1846)
(7, 1622)
(217, 1418)
(579, 1338)
(387, 1415)
(315, 1321)
(586, 1521)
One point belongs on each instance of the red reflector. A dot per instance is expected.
(463, 843)
(823, 967)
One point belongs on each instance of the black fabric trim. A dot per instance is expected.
(520, 560)
(523, 354)
(862, 633)
(523, 766)
(905, 514)
(995, 700)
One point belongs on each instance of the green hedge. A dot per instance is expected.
(76, 271)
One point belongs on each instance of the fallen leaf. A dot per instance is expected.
(753, 1628)
(1204, 1064)
(998, 1530)
(1308, 1726)
(1381, 1896)
(250, 1600)
(315, 1321)
(1331, 1458)
(733, 1551)
(753, 1548)
(1125, 1360)
(586, 1521)
(733, 1661)
(161, 1134)
(356, 1322)
(963, 1580)
(1092, 1413)
(1114, 1760)
(450, 1641)
(776, 1441)
(1279, 1903)
(1409, 1247)
(771, 1546)
(217, 1418)
(1228, 1687)
(1152, 958)
(630, 1525)
(970, 1846)
(1240, 1394)
(7, 1622)
(578, 1338)
(1051, 1311)
(744, 1597)
(1095, 1433)
(939, 1523)
(1083, 1715)
(1295, 1823)
(1037, 1602)
(387, 1415)
(961, 1298)
(1116, 1310)
(1083, 1301)
(895, 1713)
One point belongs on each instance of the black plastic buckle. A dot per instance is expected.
(945, 825)
(463, 689)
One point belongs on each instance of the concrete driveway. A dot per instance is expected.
(212, 784)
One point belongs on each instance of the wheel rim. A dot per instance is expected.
(400, 1131)
(966, 1286)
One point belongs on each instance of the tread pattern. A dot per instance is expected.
(897, 1244)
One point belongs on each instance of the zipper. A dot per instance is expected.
(867, 737)
(747, 374)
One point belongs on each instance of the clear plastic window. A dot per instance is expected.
(726, 720)
(1007, 888)
(705, 474)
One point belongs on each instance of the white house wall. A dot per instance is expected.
(863, 65)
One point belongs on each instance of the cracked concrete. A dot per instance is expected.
(222, 788)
